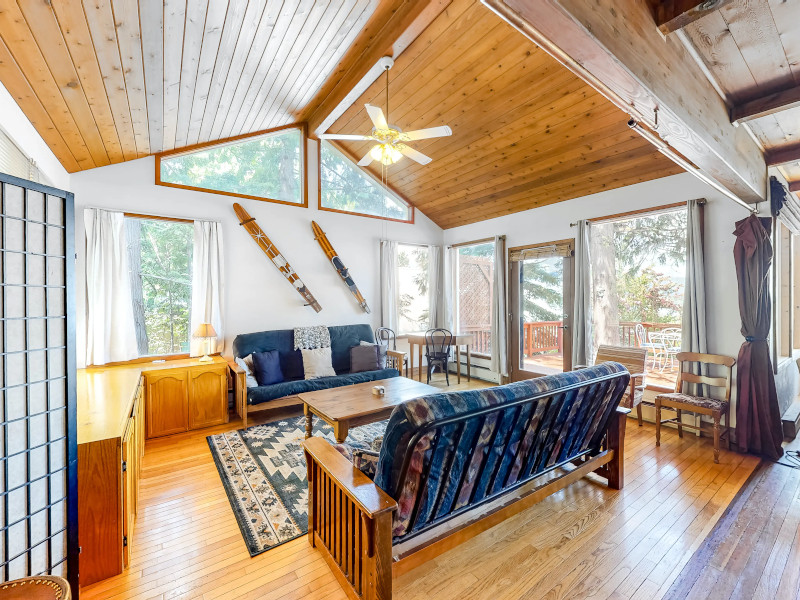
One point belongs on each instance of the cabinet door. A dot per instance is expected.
(208, 402)
(128, 489)
(167, 402)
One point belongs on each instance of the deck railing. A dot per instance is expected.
(545, 336)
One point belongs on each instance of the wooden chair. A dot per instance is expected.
(633, 359)
(680, 401)
(437, 351)
(394, 359)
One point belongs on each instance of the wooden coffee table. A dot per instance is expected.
(353, 405)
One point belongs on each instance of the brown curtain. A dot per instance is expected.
(758, 419)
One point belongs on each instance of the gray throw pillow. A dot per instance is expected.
(381, 353)
(363, 358)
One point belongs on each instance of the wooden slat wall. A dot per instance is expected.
(110, 80)
(752, 48)
(526, 132)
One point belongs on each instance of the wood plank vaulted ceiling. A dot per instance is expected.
(105, 81)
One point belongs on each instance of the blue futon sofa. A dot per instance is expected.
(343, 337)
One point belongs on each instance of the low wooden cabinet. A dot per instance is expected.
(118, 407)
(183, 398)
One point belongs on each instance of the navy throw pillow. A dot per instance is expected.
(267, 367)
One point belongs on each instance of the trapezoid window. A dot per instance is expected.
(268, 166)
(345, 187)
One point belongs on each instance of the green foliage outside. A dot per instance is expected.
(266, 167)
(345, 187)
(650, 297)
(160, 255)
(542, 289)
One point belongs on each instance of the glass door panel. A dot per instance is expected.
(541, 290)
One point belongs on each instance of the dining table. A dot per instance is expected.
(417, 341)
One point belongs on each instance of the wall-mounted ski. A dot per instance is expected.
(260, 238)
(337, 263)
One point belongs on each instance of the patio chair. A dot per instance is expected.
(437, 351)
(680, 401)
(386, 337)
(644, 342)
(671, 338)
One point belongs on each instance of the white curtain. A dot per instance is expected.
(450, 289)
(389, 292)
(499, 324)
(208, 285)
(582, 310)
(110, 330)
(435, 286)
(693, 326)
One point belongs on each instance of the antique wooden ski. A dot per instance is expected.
(260, 238)
(337, 263)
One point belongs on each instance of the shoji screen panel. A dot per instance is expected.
(38, 480)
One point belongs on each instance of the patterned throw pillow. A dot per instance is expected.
(246, 363)
(317, 363)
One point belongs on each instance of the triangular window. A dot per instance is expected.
(344, 187)
(265, 166)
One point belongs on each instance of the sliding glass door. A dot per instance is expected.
(541, 302)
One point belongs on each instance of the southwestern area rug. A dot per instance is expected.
(264, 474)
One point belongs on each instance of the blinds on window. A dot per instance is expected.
(561, 248)
(15, 162)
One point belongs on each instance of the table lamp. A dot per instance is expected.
(206, 332)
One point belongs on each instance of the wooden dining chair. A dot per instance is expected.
(680, 401)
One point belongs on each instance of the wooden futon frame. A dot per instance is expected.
(351, 518)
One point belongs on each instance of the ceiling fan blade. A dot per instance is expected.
(423, 134)
(366, 160)
(414, 155)
(344, 136)
(376, 116)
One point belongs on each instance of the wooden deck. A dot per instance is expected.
(552, 363)
(586, 540)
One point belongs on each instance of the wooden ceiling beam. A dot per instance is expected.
(614, 46)
(672, 15)
(794, 186)
(783, 155)
(766, 105)
(389, 32)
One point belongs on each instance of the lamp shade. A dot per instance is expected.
(205, 330)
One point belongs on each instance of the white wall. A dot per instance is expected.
(17, 125)
(551, 223)
(257, 296)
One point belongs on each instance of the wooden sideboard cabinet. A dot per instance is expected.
(118, 407)
(183, 398)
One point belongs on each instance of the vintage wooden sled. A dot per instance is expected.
(337, 263)
(260, 238)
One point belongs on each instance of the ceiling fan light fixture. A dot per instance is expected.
(385, 154)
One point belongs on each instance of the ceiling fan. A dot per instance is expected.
(391, 141)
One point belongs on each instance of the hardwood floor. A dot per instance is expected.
(584, 541)
(754, 549)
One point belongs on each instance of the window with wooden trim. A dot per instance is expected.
(474, 283)
(160, 260)
(638, 273)
(344, 187)
(265, 166)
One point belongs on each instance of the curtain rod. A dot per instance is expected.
(673, 155)
(148, 215)
(474, 242)
(641, 211)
